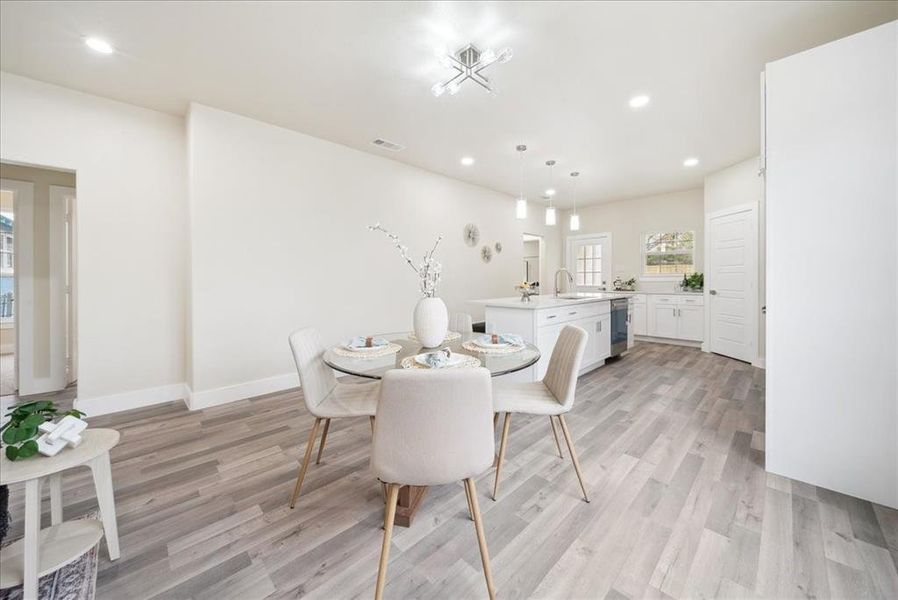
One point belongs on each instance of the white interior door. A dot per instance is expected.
(589, 261)
(732, 282)
(41, 302)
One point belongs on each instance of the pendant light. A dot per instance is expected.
(550, 210)
(521, 203)
(575, 218)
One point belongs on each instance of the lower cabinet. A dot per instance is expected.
(546, 336)
(638, 323)
(664, 320)
(679, 317)
(598, 342)
(691, 322)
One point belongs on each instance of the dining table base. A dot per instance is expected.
(410, 498)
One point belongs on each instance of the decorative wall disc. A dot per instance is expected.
(486, 254)
(472, 234)
(498, 247)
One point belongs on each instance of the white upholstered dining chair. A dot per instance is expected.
(325, 397)
(552, 397)
(461, 322)
(433, 428)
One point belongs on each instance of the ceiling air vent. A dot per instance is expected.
(387, 145)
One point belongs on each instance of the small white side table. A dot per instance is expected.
(43, 551)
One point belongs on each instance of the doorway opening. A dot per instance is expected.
(38, 284)
(533, 259)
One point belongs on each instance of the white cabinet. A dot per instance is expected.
(690, 322)
(592, 326)
(664, 320)
(676, 316)
(599, 344)
(639, 322)
(542, 326)
(546, 337)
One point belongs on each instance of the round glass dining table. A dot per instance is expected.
(375, 367)
(411, 496)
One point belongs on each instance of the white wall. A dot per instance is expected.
(130, 166)
(628, 220)
(735, 185)
(832, 352)
(279, 241)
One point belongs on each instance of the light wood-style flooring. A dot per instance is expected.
(671, 441)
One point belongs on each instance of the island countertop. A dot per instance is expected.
(549, 301)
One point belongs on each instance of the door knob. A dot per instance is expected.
(713, 292)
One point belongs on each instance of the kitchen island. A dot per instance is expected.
(541, 320)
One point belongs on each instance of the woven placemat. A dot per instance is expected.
(470, 345)
(409, 363)
(450, 336)
(390, 348)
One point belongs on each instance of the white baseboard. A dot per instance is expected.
(671, 341)
(102, 405)
(240, 391)
(759, 362)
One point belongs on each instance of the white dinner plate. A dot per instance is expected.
(484, 342)
(454, 360)
(362, 349)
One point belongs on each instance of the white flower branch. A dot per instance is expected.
(429, 270)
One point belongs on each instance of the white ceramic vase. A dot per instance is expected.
(431, 322)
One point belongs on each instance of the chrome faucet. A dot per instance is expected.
(570, 278)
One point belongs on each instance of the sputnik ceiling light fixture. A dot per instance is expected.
(550, 210)
(521, 203)
(468, 63)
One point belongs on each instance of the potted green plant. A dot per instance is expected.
(20, 431)
(694, 282)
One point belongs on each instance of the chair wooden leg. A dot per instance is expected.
(570, 448)
(481, 539)
(502, 445)
(554, 434)
(470, 506)
(495, 420)
(392, 498)
(305, 462)
(327, 425)
(371, 420)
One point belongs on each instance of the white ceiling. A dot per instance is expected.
(352, 71)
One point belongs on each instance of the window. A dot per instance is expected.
(588, 265)
(668, 254)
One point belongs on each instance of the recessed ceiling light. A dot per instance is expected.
(690, 162)
(98, 45)
(550, 192)
(467, 161)
(639, 101)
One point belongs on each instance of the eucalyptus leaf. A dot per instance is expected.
(12, 452)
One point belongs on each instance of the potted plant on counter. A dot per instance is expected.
(693, 283)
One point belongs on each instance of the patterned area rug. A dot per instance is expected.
(75, 581)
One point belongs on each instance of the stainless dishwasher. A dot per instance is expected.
(619, 326)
